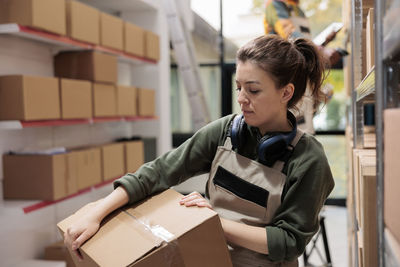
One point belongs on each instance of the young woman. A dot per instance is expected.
(268, 180)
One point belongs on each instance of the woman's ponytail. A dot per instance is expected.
(314, 67)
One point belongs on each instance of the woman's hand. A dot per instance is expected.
(81, 231)
(89, 223)
(195, 199)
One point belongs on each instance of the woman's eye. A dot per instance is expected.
(254, 91)
(238, 89)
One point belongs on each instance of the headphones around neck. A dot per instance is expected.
(270, 148)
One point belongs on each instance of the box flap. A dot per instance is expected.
(119, 241)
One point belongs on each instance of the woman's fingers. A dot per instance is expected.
(73, 239)
(195, 199)
(81, 239)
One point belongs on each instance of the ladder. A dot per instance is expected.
(188, 68)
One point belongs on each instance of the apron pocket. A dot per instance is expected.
(240, 187)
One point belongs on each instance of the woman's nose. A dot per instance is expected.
(242, 98)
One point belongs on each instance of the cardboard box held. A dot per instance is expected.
(87, 65)
(104, 100)
(41, 177)
(156, 232)
(29, 98)
(134, 155)
(111, 31)
(83, 22)
(48, 15)
(146, 102)
(112, 160)
(76, 99)
(126, 101)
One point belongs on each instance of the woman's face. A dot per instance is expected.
(262, 104)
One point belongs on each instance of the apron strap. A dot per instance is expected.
(228, 143)
(280, 164)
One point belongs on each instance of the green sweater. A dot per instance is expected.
(309, 182)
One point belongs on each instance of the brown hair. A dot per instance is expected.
(298, 62)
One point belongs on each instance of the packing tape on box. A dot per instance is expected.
(158, 231)
(160, 235)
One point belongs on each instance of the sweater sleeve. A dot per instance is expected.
(191, 158)
(309, 182)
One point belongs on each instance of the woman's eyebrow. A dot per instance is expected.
(249, 82)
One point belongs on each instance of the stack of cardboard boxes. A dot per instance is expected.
(88, 80)
(52, 177)
(83, 23)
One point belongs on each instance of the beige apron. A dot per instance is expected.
(246, 191)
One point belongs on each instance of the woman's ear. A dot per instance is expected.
(287, 93)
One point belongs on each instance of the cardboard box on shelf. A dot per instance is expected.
(152, 45)
(83, 22)
(146, 102)
(85, 166)
(370, 39)
(104, 100)
(48, 15)
(86, 65)
(134, 155)
(112, 161)
(367, 174)
(29, 98)
(111, 31)
(192, 236)
(357, 153)
(126, 101)
(58, 252)
(76, 99)
(133, 39)
(391, 187)
(39, 177)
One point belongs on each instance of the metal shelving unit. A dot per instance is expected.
(381, 87)
(356, 106)
(356, 66)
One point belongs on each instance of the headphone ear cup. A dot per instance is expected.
(271, 148)
(237, 132)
